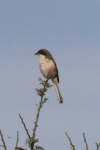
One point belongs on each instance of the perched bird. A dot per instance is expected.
(49, 69)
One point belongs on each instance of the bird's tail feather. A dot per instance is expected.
(59, 96)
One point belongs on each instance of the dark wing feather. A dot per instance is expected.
(57, 75)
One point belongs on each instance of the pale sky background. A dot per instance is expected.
(70, 30)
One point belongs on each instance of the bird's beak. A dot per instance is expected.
(36, 54)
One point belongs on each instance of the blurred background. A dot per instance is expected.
(70, 30)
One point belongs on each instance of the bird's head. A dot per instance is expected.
(45, 53)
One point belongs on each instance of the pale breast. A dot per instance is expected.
(47, 66)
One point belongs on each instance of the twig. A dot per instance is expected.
(85, 141)
(3, 140)
(98, 145)
(25, 127)
(73, 146)
(40, 105)
(17, 139)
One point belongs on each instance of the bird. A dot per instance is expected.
(49, 69)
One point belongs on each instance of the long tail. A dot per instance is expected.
(59, 96)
